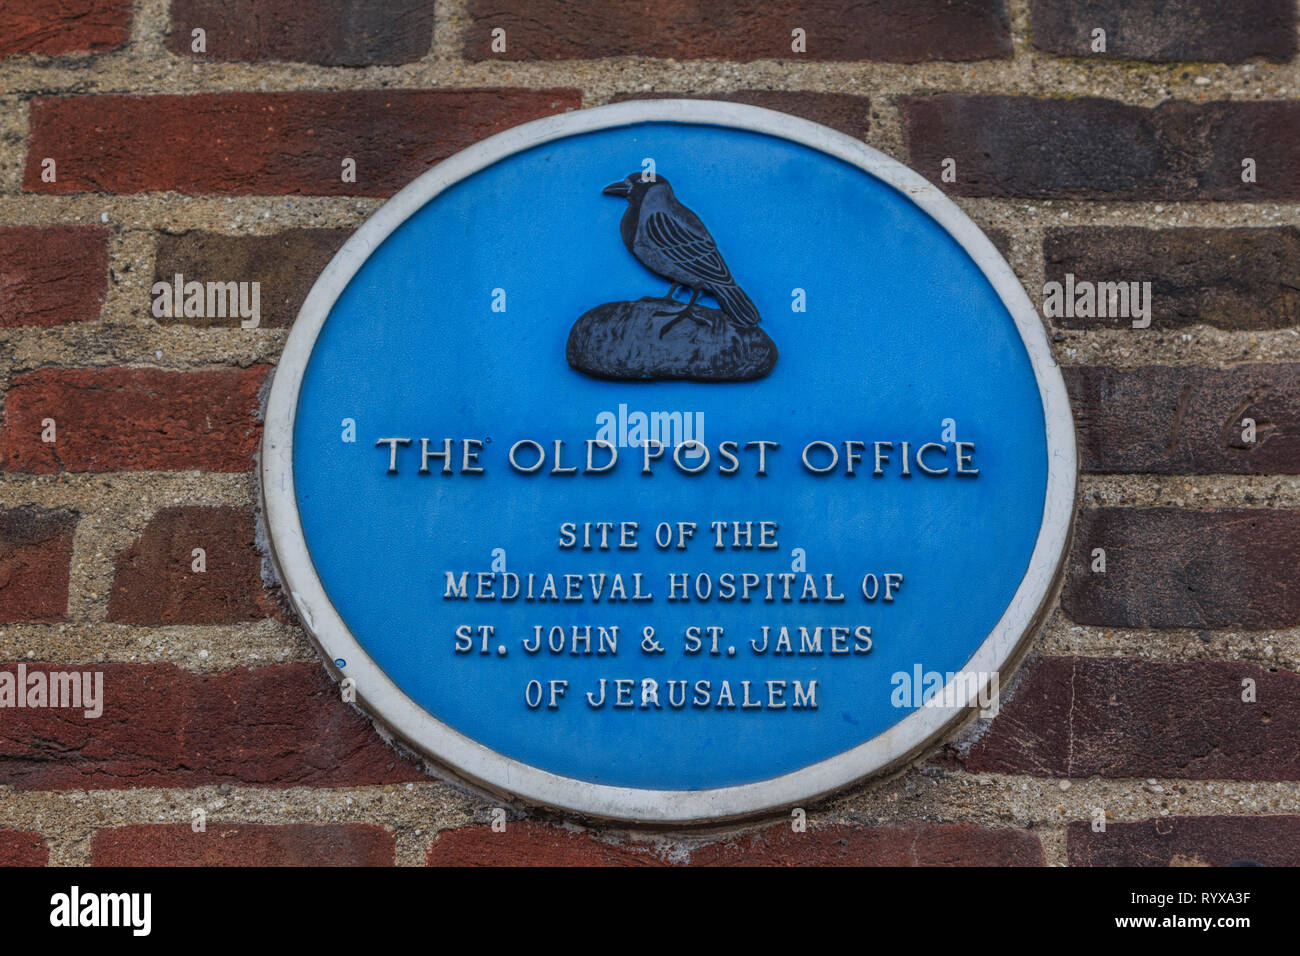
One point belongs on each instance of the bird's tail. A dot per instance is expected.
(736, 304)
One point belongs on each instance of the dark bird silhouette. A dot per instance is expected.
(670, 241)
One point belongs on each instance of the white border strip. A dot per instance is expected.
(497, 772)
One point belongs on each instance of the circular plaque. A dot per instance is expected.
(669, 461)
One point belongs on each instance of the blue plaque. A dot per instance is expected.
(668, 461)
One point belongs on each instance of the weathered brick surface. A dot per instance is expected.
(244, 844)
(132, 419)
(63, 26)
(945, 844)
(1228, 278)
(912, 844)
(52, 276)
(154, 581)
(1167, 30)
(1118, 717)
(282, 725)
(1188, 841)
(35, 552)
(842, 111)
(287, 89)
(1169, 567)
(214, 143)
(904, 31)
(526, 843)
(23, 848)
(1187, 420)
(1090, 148)
(286, 264)
(329, 32)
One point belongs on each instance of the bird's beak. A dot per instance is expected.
(620, 188)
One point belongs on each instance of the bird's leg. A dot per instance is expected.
(680, 311)
(688, 309)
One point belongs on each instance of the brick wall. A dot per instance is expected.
(226, 163)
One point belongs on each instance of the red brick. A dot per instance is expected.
(842, 111)
(1168, 30)
(329, 32)
(1227, 278)
(35, 553)
(911, 844)
(1186, 420)
(902, 31)
(1167, 567)
(244, 844)
(1188, 841)
(154, 581)
(52, 276)
(282, 725)
(1118, 717)
(274, 143)
(132, 419)
(23, 848)
(63, 26)
(286, 264)
(1001, 240)
(531, 844)
(1089, 148)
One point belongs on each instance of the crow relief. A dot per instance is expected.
(662, 337)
